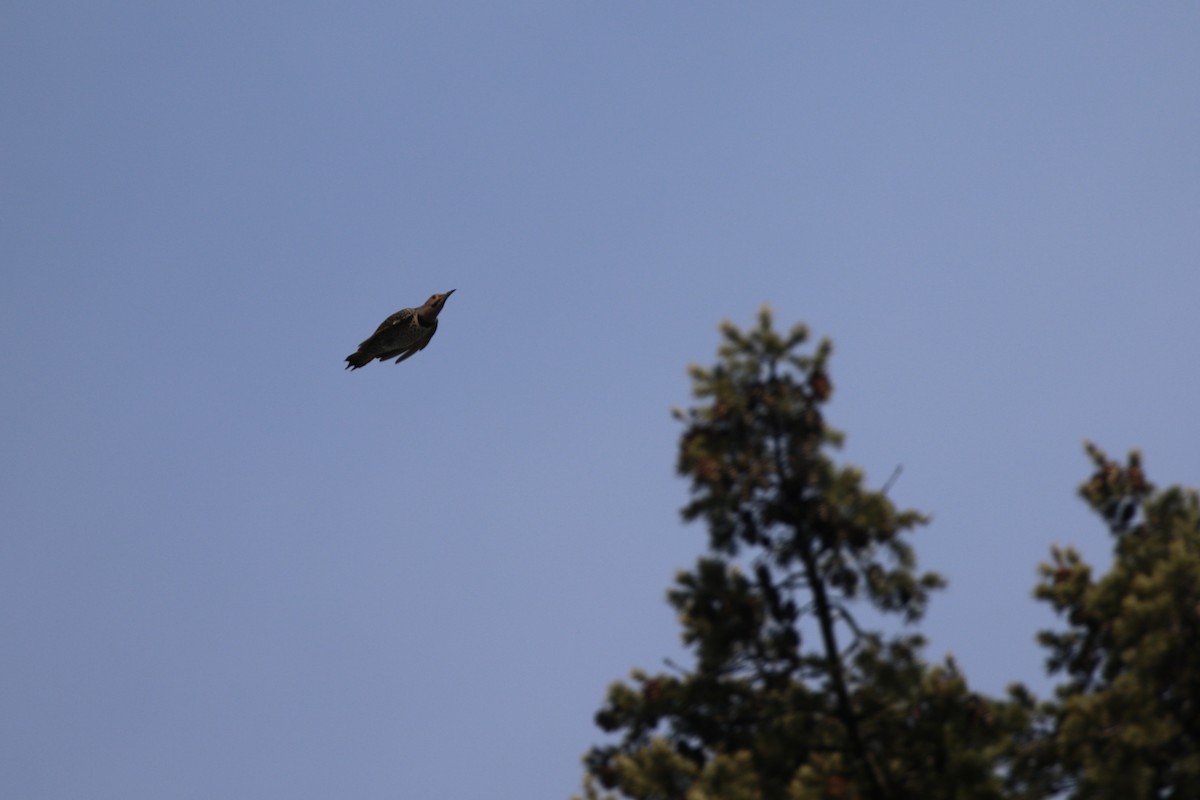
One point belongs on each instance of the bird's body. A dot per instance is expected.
(402, 334)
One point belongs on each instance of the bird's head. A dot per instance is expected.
(434, 304)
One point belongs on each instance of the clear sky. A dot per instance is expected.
(230, 569)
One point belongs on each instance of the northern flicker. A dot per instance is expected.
(402, 334)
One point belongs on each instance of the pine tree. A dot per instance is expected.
(1127, 719)
(792, 694)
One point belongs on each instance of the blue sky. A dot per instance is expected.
(230, 569)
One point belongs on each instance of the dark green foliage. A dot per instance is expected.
(790, 696)
(1127, 719)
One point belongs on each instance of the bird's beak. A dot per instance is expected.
(449, 292)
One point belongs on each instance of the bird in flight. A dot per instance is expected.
(402, 334)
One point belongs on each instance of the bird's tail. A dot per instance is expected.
(356, 360)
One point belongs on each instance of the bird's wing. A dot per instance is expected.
(403, 315)
(384, 337)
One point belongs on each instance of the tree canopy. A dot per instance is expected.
(801, 689)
